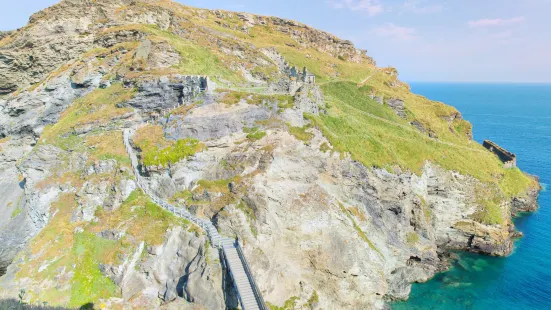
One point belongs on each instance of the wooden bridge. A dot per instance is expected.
(233, 259)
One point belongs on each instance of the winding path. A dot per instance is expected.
(233, 258)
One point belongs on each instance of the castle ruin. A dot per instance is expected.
(299, 78)
(509, 159)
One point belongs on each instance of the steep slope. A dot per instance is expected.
(343, 190)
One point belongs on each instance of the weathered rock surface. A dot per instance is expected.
(184, 266)
(213, 121)
(312, 222)
(165, 93)
(398, 106)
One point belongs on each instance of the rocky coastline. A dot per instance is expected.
(320, 229)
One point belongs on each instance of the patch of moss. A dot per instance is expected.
(16, 211)
(251, 216)
(172, 154)
(290, 304)
(217, 186)
(185, 195)
(2, 141)
(254, 133)
(412, 238)
(231, 97)
(157, 151)
(300, 133)
(313, 300)
(324, 147)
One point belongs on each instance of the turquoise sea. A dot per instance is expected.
(518, 117)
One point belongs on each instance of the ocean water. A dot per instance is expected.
(518, 117)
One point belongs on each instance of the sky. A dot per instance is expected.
(426, 40)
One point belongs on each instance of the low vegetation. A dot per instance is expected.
(88, 283)
(157, 151)
(489, 202)
(412, 238)
(514, 183)
(313, 300)
(97, 108)
(232, 97)
(65, 246)
(16, 211)
(358, 229)
(301, 133)
(107, 145)
(254, 133)
(289, 304)
(375, 136)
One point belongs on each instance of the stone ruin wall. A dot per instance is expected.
(508, 158)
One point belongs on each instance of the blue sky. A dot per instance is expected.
(426, 40)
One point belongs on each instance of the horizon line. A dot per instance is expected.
(477, 82)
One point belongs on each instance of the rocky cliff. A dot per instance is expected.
(343, 192)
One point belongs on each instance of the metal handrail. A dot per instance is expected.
(203, 224)
(256, 290)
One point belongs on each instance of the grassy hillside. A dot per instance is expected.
(224, 45)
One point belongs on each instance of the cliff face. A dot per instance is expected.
(343, 192)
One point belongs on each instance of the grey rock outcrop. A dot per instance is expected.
(215, 121)
(309, 99)
(183, 266)
(28, 113)
(33, 202)
(312, 222)
(398, 106)
(167, 93)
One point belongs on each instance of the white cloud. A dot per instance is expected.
(488, 22)
(419, 7)
(371, 7)
(393, 31)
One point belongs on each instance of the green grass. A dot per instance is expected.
(218, 186)
(89, 284)
(514, 183)
(489, 201)
(157, 151)
(290, 304)
(313, 300)
(254, 133)
(195, 59)
(490, 213)
(300, 133)
(170, 155)
(385, 140)
(185, 195)
(231, 97)
(376, 137)
(16, 212)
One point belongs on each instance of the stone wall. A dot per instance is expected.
(508, 158)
